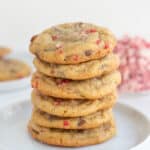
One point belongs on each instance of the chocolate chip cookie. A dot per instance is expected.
(72, 108)
(80, 71)
(72, 138)
(11, 69)
(85, 122)
(85, 89)
(72, 43)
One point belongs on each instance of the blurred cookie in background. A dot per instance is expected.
(11, 69)
(4, 51)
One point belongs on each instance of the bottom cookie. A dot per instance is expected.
(72, 138)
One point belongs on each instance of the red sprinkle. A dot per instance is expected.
(58, 101)
(66, 123)
(106, 46)
(98, 41)
(75, 57)
(62, 81)
(35, 84)
(91, 31)
(54, 37)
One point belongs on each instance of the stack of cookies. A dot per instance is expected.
(74, 87)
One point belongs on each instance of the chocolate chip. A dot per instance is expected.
(33, 38)
(88, 52)
(81, 122)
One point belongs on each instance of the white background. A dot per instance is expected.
(20, 19)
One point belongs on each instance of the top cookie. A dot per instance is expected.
(72, 43)
(4, 51)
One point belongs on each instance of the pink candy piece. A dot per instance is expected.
(135, 63)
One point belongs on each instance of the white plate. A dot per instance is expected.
(133, 129)
(6, 86)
